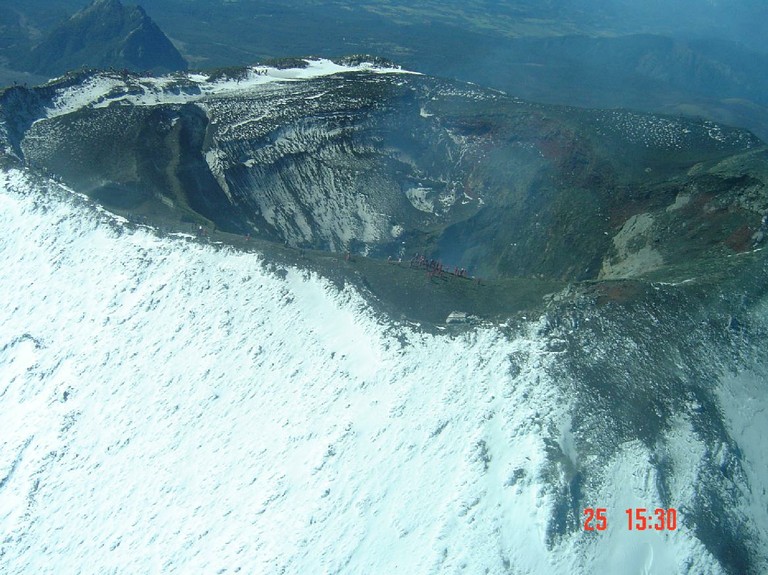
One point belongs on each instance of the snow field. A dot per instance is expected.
(171, 407)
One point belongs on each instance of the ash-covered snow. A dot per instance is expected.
(742, 397)
(174, 407)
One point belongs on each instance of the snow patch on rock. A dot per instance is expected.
(633, 253)
(420, 199)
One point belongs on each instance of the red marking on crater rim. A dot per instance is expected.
(741, 239)
(619, 292)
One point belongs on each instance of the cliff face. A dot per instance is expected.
(352, 158)
(106, 34)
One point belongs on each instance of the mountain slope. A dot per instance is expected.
(374, 160)
(192, 408)
(105, 34)
(177, 403)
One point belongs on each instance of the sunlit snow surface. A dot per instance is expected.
(173, 407)
(104, 89)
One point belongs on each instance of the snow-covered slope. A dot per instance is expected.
(174, 407)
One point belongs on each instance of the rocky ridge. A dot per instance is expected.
(366, 158)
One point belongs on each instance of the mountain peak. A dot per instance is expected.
(103, 9)
(106, 34)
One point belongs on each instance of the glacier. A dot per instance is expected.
(173, 406)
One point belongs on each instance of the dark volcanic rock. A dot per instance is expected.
(106, 34)
(389, 164)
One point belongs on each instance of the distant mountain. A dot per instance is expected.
(703, 60)
(106, 34)
(715, 79)
(596, 53)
